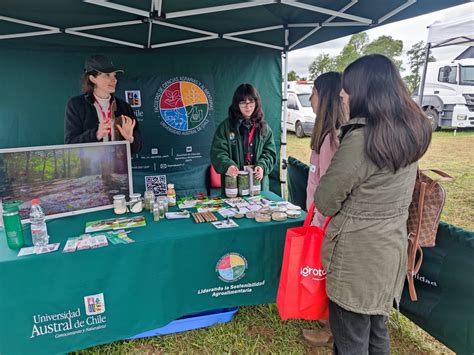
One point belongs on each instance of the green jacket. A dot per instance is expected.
(365, 248)
(227, 150)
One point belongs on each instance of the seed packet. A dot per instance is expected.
(26, 251)
(71, 245)
(47, 248)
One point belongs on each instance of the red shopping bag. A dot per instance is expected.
(302, 289)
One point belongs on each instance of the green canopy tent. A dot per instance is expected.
(221, 42)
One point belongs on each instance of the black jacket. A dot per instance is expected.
(81, 121)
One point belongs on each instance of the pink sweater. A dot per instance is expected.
(319, 164)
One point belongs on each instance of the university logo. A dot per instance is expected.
(94, 304)
(231, 267)
(133, 98)
(183, 104)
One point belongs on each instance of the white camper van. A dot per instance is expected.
(300, 118)
(448, 98)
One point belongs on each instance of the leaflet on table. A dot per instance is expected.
(115, 223)
(39, 249)
(200, 201)
(228, 223)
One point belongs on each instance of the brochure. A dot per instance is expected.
(115, 223)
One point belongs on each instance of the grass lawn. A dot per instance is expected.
(259, 329)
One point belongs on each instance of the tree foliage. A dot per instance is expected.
(321, 64)
(416, 58)
(292, 76)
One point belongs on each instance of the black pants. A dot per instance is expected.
(356, 333)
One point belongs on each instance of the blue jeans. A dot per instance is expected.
(356, 333)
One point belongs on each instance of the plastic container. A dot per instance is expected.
(136, 204)
(120, 204)
(231, 189)
(192, 321)
(171, 195)
(12, 225)
(148, 199)
(39, 231)
(244, 183)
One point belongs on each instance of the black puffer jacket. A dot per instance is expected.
(81, 121)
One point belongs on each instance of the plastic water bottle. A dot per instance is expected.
(39, 232)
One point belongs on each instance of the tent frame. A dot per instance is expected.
(156, 17)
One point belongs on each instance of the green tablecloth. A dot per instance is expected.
(47, 301)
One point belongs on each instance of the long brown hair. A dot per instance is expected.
(242, 93)
(86, 84)
(330, 115)
(398, 132)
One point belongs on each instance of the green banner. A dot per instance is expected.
(176, 118)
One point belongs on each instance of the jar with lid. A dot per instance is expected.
(164, 201)
(244, 183)
(149, 197)
(136, 204)
(171, 195)
(120, 204)
(256, 187)
(12, 225)
(231, 189)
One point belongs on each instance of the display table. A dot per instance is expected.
(60, 302)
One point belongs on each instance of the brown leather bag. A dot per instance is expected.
(423, 220)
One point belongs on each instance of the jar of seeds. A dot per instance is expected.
(244, 183)
(149, 197)
(231, 189)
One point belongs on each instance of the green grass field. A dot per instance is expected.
(259, 329)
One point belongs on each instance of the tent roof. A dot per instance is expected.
(151, 24)
(454, 32)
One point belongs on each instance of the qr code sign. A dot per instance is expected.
(156, 183)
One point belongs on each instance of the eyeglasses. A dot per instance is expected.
(247, 103)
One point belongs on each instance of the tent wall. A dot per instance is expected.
(36, 84)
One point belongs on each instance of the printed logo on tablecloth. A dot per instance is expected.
(94, 304)
(183, 104)
(231, 267)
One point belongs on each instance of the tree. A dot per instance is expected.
(292, 76)
(387, 46)
(352, 50)
(321, 64)
(416, 58)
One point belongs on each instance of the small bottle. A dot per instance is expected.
(39, 232)
(155, 209)
(171, 195)
(12, 225)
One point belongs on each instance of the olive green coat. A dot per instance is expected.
(365, 248)
(227, 150)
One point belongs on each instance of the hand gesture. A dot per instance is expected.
(103, 130)
(232, 171)
(126, 129)
(259, 172)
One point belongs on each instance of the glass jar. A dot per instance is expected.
(161, 208)
(164, 201)
(120, 204)
(155, 209)
(256, 185)
(149, 197)
(244, 183)
(231, 189)
(136, 204)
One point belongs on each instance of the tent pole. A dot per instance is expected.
(283, 118)
(423, 76)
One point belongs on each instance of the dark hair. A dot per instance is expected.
(86, 84)
(330, 115)
(398, 132)
(242, 93)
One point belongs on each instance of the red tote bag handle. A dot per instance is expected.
(309, 218)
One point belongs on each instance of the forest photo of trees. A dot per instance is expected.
(65, 179)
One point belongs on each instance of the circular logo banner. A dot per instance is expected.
(231, 267)
(183, 104)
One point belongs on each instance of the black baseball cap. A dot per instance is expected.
(101, 64)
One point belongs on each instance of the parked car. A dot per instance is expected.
(300, 118)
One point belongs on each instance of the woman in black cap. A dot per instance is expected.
(97, 115)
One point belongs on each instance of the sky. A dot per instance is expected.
(409, 31)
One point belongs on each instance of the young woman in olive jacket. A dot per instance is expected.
(244, 138)
(367, 190)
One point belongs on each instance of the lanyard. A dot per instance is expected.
(249, 142)
(105, 117)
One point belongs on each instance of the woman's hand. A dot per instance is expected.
(232, 171)
(126, 129)
(103, 130)
(259, 172)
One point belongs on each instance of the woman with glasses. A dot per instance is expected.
(97, 115)
(244, 138)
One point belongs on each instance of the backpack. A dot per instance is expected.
(423, 220)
